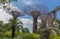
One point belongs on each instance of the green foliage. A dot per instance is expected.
(54, 36)
(30, 36)
(23, 35)
(7, 34)
(7, 26)
(25, 30)
(5, 29)
(1, 34)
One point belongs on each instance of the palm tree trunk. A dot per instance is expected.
(13, 29)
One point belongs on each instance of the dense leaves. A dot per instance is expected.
(6, 28)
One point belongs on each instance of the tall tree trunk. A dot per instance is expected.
(13, 31)
(13, 28)
(35, 25)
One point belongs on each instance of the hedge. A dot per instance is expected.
(22, 35)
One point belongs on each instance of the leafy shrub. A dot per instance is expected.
(22, 35)
(54, 36)
(7, 34)
(30, 36)
(1, 35)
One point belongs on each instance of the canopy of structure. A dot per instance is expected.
(40, 8)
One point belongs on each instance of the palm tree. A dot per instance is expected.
(7, 26)
(2, 26)
(17, 23)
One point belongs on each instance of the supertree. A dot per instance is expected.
(52, 14)
(15, 12)
(48, 23)
(35, 10)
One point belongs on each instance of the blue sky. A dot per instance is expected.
(51, 4)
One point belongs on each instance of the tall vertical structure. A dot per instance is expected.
(36, 10)
(15, 12)
(47, 23)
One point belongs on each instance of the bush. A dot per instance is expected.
(54, 36)
(1, 34)
(30, 36)
(7, 34)
(22, 35)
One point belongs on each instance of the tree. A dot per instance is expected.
(16, 22)
(35, 10)
(2, 29)
(25, 30)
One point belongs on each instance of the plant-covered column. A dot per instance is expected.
(35, 15)
(35, 25)
(47, 22)
(35, 10)
(15, 12)
(45, 28)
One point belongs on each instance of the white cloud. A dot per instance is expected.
(11, 8)
(27, 23)
(27, 2)
(25, 20)
(4, 16)
(38, 22)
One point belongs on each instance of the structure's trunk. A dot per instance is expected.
(54, 15)
(35, 25)
(45, 34)
(59, 26)
(13, 28)
(13, 31)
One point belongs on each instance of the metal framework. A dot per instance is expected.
(36, 10)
